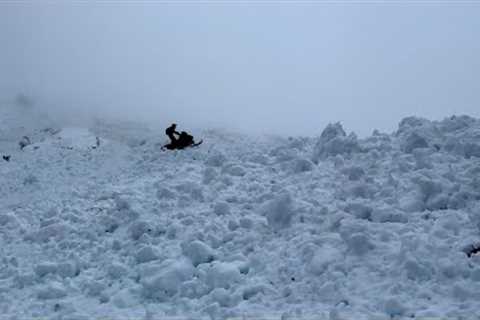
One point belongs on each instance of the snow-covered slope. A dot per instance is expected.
(100, 224)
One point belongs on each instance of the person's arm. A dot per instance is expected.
(176, 132)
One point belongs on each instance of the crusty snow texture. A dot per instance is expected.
(334, 227)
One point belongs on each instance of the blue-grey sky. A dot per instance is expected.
(274, 67)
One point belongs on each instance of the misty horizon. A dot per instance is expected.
(278, 68)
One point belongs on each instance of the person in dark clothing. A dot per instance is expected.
(171, 132)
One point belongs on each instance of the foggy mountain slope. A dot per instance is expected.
(331, 226)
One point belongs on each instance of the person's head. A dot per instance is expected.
(174, 125)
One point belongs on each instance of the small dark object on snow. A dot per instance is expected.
(24, 142)
(472, 250)
(6, 158)
(97, 143)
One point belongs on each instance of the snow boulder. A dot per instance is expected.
(354, 173)
(323, 257)
(146, 254)
(57, 231)
(415, 270)
(334, 141)
(167, 282)
(54, 290)
(68, 269)
(360, 210)
(123, 209)
(125, 298)
(221, 275)
(224, 298)
(302, 165)
(410, 124)
(42, 269)
(358, 243)
(279, 211)
(393, 307)
(414, 141)
(221, 208)
(117, 270)
(139, 228)
(198, 252)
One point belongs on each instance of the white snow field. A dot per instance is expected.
(328, 227)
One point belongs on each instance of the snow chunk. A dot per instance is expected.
(124, 299)
(246, 222)
(359, 243)
(116, 270)
(198, 252)
(279, 211)
(45, 268)
(393, 307)
(168, 281)
(359, 210)
(333, 141)
(322, 258)
(353, 173)
(221, 209)
(302, 165)
(94, 288)
(224, 298)
(416, 270)
(222, 275)
(56, 230)
(332, 131)
(139, 228)
(146, 254)
(388, 215)
(54, 290)
(67, 269)
(124, 210)
(414, 141)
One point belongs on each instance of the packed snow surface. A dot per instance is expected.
(99, 223)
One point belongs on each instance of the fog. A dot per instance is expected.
(279, 68)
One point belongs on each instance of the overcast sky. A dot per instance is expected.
(274, 67)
